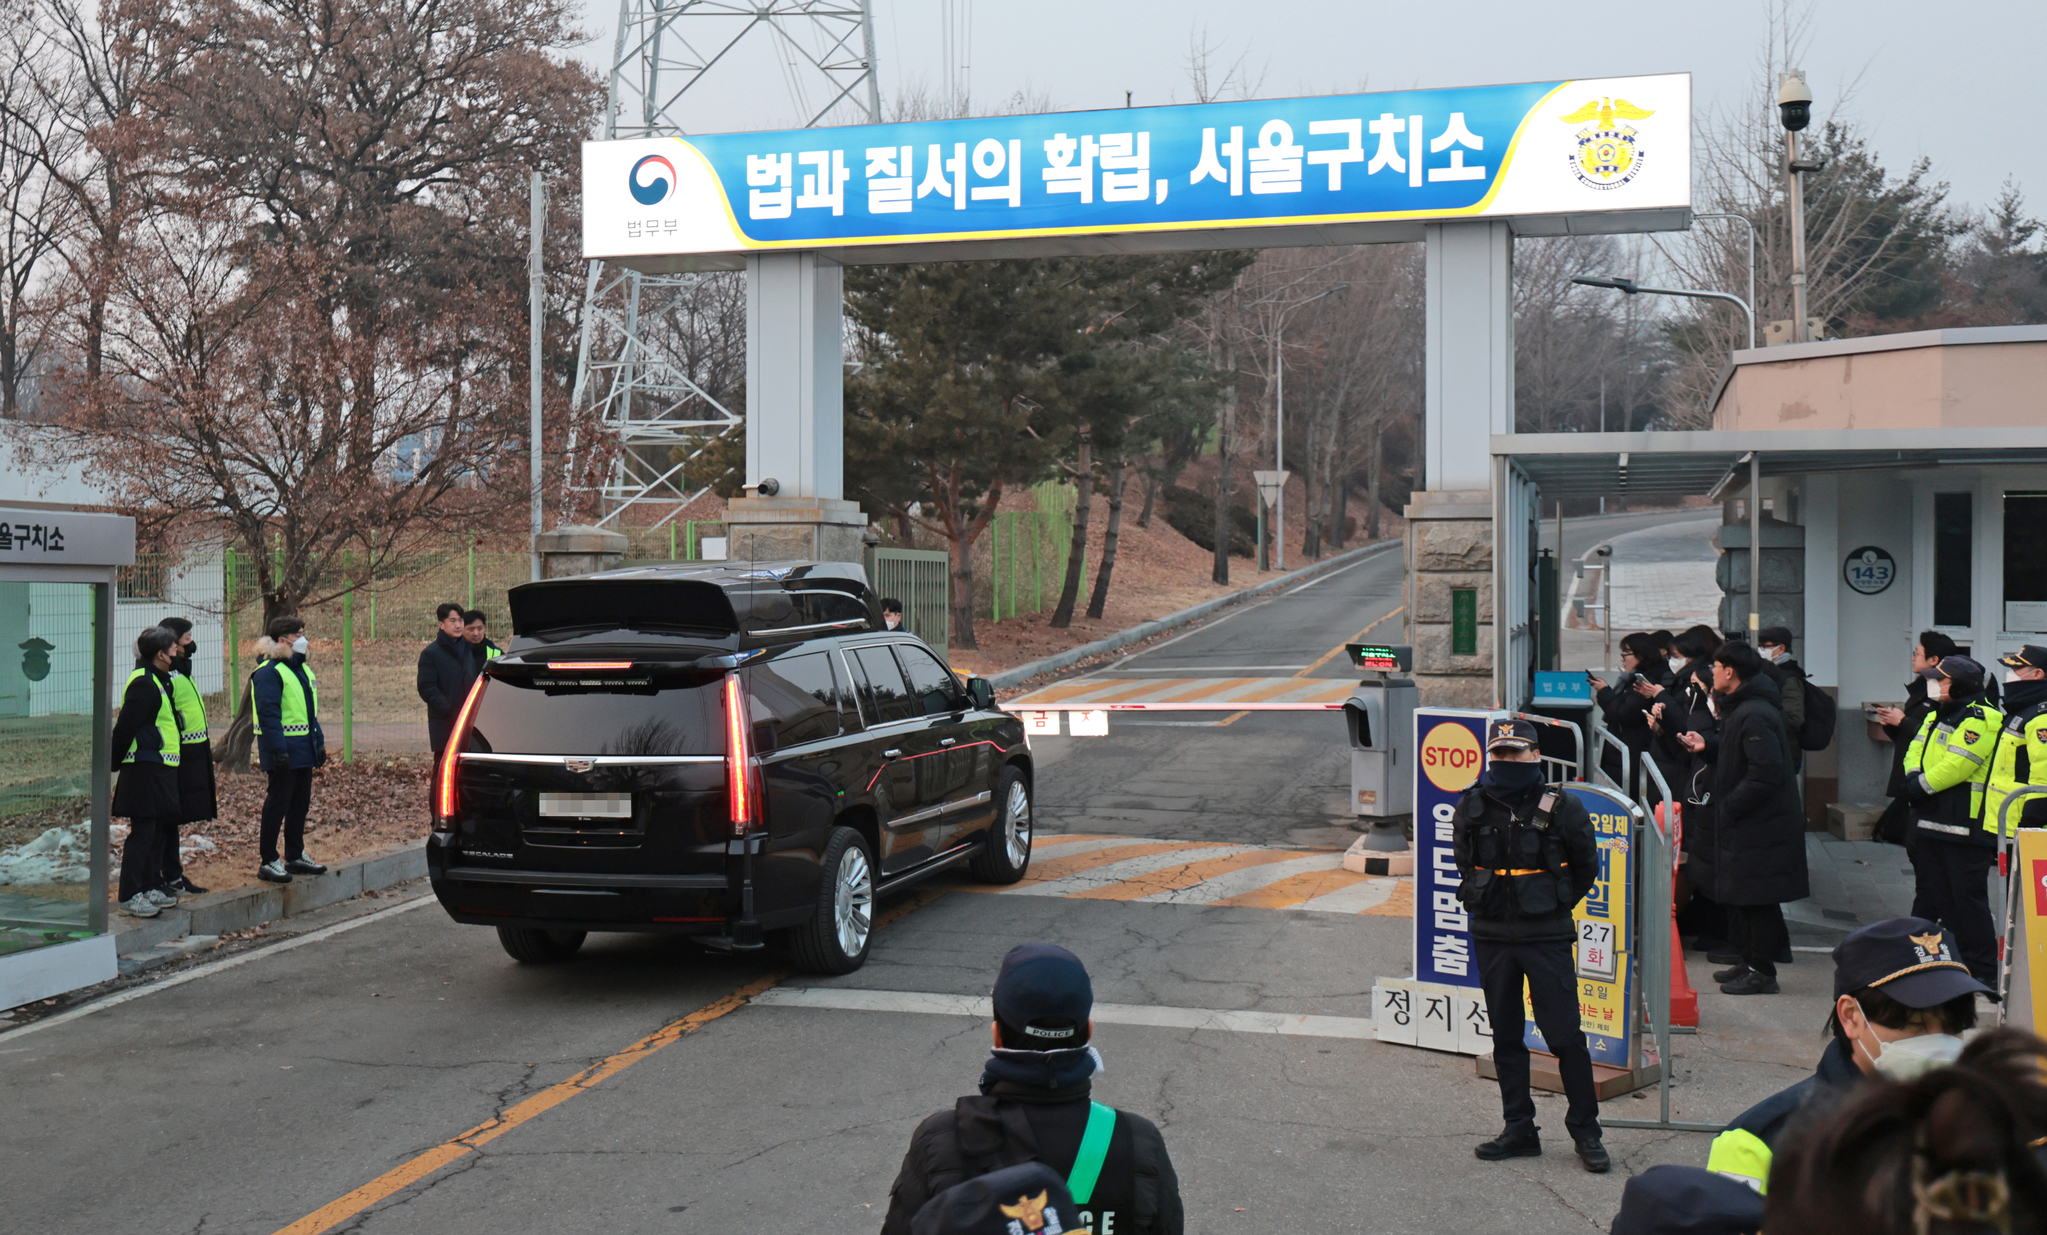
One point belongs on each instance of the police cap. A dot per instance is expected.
(1910, 959)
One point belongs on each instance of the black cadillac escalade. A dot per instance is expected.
(719, 750)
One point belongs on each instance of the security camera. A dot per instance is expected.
(1794, 100)
(769, 487)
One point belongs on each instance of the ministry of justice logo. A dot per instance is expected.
(1608, 155)
(656, 186)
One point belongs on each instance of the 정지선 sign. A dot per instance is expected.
(1600, 145)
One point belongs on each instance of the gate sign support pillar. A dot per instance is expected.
(1468, 393)
(795, 423)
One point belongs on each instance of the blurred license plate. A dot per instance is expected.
(587, 805)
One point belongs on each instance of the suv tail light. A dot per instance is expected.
(446, 797)
(740, 795)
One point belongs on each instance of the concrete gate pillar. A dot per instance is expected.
(795, 415)
(1468, 386)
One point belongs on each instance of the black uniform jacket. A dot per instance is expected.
(1757, 855)
(446, 671)
(144, 789)
(1581, 860)
(1015, 1123)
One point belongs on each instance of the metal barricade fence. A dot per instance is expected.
(1653, 879)
(2008, 863)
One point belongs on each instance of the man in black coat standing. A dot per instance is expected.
(1527, 855)
(447, 669)
(1758, 858)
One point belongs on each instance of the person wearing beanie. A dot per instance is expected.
(1902, 998)
(1035, 1105)
(1947, 774)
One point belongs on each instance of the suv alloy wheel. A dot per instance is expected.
(836, 938)
(1007, 854)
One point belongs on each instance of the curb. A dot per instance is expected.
(1157, 626)
(217, 913)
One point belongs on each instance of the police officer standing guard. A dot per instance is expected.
(1528, 855)
(2021, 757)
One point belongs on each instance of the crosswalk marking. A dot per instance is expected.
(1092, 866)
(1291, 891)
(856, 999)
(1154, 884)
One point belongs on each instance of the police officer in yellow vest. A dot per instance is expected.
(2021, 757)
(1902, 998)
(146, 749)
(1947, 770)
(197, 801)
(289, 744)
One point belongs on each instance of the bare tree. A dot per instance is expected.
(33, 138)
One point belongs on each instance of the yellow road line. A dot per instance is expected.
(1327, 656)
(1175, 878)
(1294, 889)
(405, 1175)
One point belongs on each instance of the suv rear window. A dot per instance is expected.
(637, 714)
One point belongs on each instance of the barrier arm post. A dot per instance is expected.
(2009, 852)
(1652, 958)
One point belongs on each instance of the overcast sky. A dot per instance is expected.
(1959, 83)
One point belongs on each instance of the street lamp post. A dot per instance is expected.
(1633, 288)
(1749, 223)
(1279, 414)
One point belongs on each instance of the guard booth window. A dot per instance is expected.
(2025, 563)
(1954, 520)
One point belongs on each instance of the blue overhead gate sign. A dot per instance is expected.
(1607, 145)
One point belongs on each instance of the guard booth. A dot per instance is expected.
(57, 687)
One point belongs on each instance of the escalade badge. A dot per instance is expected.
(579, 765)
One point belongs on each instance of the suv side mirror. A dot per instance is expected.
(982, 692)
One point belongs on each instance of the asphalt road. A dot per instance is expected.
(404, 1075)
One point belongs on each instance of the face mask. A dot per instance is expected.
(1677, 664)
(1512, 777)
(892, 621)
(1936, 690)
(300, 645)
(1773, 655)
(1909, 1058)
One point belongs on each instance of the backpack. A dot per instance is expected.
(1820, 715)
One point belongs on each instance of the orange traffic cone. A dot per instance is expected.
(1684, 1000)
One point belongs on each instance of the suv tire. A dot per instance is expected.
(531, 946)
(1006, 853)
(841, 926)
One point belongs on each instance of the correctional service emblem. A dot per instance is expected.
(1608, 154)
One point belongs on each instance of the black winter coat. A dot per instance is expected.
(1757, 855)
(447, 670)
(1917, 705)
(146, 788)
(985, 1133)
(1581, 859)
(1626, 713)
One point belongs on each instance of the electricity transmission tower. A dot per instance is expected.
(640, 363)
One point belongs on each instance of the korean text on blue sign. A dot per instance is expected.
(1449, 758)
(1605, 946)
(1543, 147)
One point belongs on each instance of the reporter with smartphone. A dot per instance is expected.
(1625, 704)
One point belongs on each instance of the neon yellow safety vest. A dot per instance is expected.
(166, 726)
(1944, 755)
(1740, 1154)
(191, 709)
(2021, 744)
(491, 654)
(292, 709)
